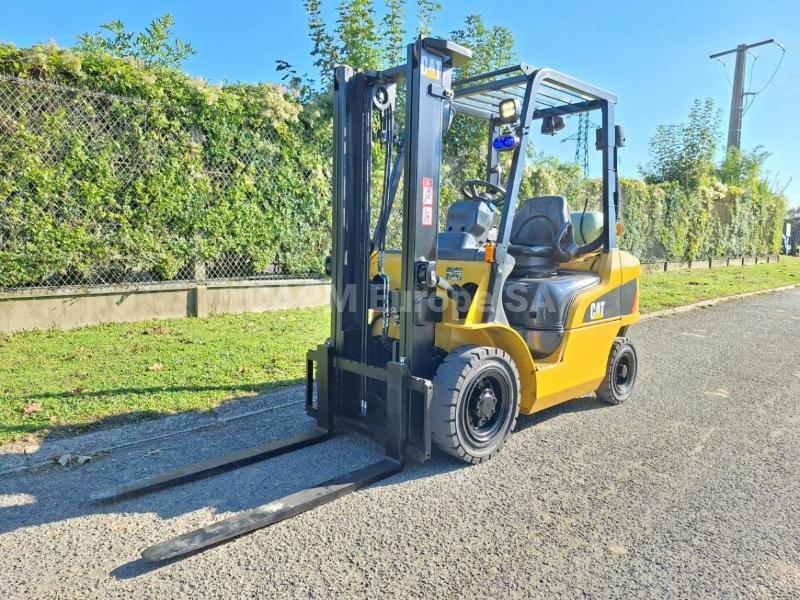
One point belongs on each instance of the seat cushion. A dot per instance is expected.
(541, 251)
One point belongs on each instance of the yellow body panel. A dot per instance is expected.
(578, 365)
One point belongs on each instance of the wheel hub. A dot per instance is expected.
(486, 405)
(622, 371)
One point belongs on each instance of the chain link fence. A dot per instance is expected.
(98, 189)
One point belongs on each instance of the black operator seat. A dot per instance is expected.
(538, 295)
(541, 235)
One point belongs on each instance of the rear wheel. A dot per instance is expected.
(621, 373)
(475, 402)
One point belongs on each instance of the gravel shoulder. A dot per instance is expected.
(690, 489)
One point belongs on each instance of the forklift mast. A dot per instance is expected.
(353, 360)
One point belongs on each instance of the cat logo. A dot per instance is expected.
(596, 310)
(432, 67)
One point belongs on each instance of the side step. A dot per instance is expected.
(213, 467)
(272, 513)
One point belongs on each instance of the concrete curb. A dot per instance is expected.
(712, 302)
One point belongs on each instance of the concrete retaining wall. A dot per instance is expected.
(68, 308)
(682, 265)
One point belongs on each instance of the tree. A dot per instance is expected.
(393, 32)
(359, 37)
(492, 48)
(153, 46)
(741, 167)
(426, 11)
(324, 51)
(685, 152)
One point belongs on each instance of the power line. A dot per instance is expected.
(771, 77)
(724, 69)
(754, 95)
(782, 68)
(783, 89)
(795, 59)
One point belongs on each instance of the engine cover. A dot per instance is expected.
(537, 307)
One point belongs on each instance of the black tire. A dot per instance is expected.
(475, 402)
(621, 371)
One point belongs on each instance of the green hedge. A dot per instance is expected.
(673, 221)
(150, 169)
(93, 182)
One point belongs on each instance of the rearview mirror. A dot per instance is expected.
(552, 125)
(619, 136)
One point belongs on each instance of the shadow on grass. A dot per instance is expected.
(47, 431)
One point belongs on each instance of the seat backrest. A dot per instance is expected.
(541, 234)
(538, 221)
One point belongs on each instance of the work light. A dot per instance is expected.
(508, 111)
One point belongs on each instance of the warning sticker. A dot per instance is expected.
(427, 202)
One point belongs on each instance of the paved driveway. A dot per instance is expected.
(691, 489)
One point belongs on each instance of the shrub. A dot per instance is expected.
(155, 170)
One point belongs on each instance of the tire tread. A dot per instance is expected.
(447, 384)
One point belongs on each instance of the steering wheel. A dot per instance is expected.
(494, 193)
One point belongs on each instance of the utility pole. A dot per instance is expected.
(737, 95)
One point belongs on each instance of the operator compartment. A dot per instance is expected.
(537, 295)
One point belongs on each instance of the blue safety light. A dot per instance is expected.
(504, 143)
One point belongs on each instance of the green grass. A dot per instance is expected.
(667, 290)
(105, 374)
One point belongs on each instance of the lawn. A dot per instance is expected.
(60, 382)
(666, 290)
(56, 382)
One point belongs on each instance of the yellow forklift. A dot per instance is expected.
(512, 307)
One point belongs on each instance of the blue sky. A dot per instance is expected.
(653, 55)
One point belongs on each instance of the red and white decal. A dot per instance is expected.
(427, 202)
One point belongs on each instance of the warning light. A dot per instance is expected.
(489, 256)
(505, 142)
(509, 111)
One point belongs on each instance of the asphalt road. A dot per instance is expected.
(692, 489)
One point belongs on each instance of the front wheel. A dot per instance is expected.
(475, 402)
(621, 371)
